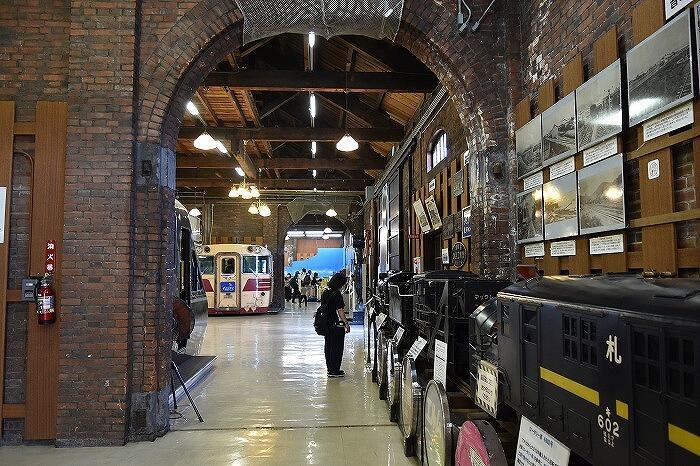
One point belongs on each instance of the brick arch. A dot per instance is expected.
(199, 40)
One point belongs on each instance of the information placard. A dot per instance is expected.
(398, 335)
(431, 185)
(380, 320)
(440, 362)
(562, 168)
(536, 446)
(487, 387)
(562, 248)
(675, 6)
(603, 150)
(669, 121)
(534, 250)
(416, 348)
(421, 216)
(3, 201)
(534, 180)
(445, 256)
(607, 244)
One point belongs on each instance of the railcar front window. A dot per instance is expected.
(256, 264)
(206, 265)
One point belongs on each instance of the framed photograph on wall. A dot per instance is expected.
(660, 71)
(559, 130)
(528, 147)
(601, 196)
(599, 107)
(421, 216)
(530, 218)
(433, 212)
(560, 207)
(458, 183)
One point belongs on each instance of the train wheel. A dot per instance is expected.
(410, 402)
(478, 445)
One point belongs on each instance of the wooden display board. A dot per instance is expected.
(658, 217)
(48, 182)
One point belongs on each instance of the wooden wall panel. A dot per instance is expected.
(605, 51)
(47, 225)
(572, 76)
(7, 120)
(522, 113)
(646, 19)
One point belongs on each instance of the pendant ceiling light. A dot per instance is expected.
(253, 209)
(244, 190)
(264, 210)
(325, 236)
(331, 212)
(205, 142)
(347, 143)
(327, 230)
(195, 212)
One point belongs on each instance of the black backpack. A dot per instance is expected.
(322, 320)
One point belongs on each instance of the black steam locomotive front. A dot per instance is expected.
(609, 365)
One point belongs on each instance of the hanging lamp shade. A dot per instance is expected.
(195, 212)
(347, 143)
(331, 212)
(205, 142)
(265, 211)
(254, 191)
(327, 230)
(253, 209)
(233, 192)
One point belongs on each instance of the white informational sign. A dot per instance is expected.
(536, 446)
(669, 121)
(465, 158)
(3, 202)
(487, 388)
(653, 169)
(433, 212)
(562, 248)
(562, 168)
(380, 320)
(601, 151)
(445, 256)
(534, 180)
(416, 348)
(431, 185)
(398, 335)
(607, 244)
(534, 250)
(417, 265)
(440, 362)
(675, 6)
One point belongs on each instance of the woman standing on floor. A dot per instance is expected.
(332, 298)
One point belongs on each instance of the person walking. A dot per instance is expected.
(287, 287)
(294, 283)
(305, 288)
(332, 298)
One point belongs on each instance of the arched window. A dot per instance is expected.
(438, 149)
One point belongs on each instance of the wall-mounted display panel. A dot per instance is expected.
(601, 194)
(530, 218)
(559, 130)
(560, 207)
(528, 147)
(599, 107)
(660, 71)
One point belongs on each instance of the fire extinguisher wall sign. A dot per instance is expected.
(45, 294)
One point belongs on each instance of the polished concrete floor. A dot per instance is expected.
(267, 402)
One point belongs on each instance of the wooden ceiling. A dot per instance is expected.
(257, 104)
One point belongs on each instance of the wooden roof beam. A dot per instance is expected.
(322, 81)
(298, 134)
(270, 183)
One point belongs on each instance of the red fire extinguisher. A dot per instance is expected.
(45, 301)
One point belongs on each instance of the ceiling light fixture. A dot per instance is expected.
(253, 209)
(313, 147)
(264, 210)
(192, 108)
(195, 212)
(240, 171)
(313, 173)
(347, 143)
(312, 39)
(325, 236)
(204, 142)
(327, 230)
(244, 190)
(221, 147)
(312, 105)
(331, 212)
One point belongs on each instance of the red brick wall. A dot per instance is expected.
(553, 33)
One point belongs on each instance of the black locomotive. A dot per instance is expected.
(609, 365)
